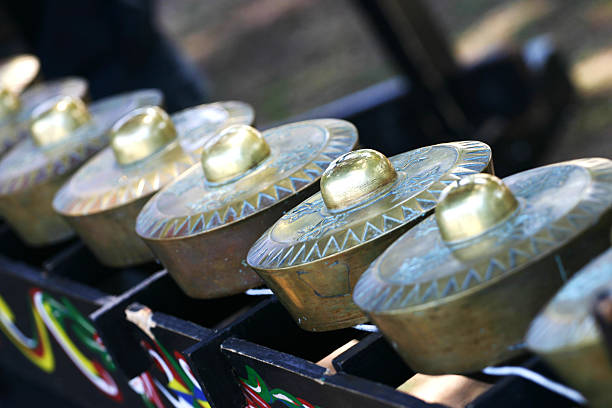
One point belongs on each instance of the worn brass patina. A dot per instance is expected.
(313, 256)
(15, 126)
(565, 334)
(149, 149)
(201, 229)
(32, 172)
(458, 302)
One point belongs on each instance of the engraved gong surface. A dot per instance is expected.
(13, 129)
(299, 153)
(28, 164)
(556, 203)
(103, 184)
(567, 321)
(311, 231)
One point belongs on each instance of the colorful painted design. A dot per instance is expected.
(37, 349)
(258, 395)
(56, 317)
(144, 386)
(181, 389)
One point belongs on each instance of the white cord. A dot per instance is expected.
(367, 327)
(538, 379)
(258, 292)
(497, 371)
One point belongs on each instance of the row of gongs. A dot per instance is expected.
(225, 208)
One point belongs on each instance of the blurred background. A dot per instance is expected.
(517, 74)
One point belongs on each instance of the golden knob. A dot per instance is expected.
(54, 120)
(17, 72)
(141, 133)
(233, 152)
(472, 206)
(355, 177)
(9, 102)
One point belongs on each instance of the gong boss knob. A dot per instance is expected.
(16, 73)
(56, 119)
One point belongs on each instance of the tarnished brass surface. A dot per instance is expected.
(233, 152)
(102, 200)
(31, 174)
(201, 231)
(565, 334)
(120, 248)
(447, 308)
(29, 212)
(17, 72)
(56, 120)
(313, 256)
(14, 128)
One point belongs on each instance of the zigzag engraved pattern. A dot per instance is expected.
(342, 139)
(136, 188)
(473, 158)
(373, 294)
(60, 165)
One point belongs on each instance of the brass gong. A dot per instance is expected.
(566, 335)
(17, 108)
(148, 150)
(457, 292)
(202, 225)
(63, 132)
(312, 257)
